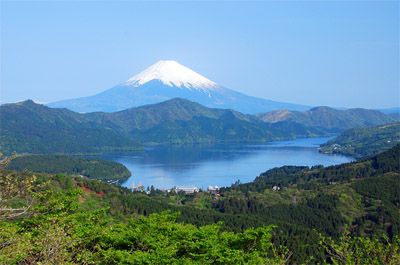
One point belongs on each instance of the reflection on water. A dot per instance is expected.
(218, 164)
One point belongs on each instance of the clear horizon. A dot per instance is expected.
(336, 54)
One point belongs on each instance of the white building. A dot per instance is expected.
(190, 189)
(213, 190)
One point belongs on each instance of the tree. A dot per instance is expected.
(16, 196)
(361, 250)
(55, 232)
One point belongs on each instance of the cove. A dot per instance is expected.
(218, 164)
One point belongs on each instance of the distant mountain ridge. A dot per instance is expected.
(330, 119)
(27, 127)
(166, 80)
(394, 110)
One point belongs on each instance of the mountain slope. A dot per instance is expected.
(172, 110)
(28, 127)
(182, 121)
(167, 80)
(364, 142)
(328, 118)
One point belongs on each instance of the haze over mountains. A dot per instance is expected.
(166, 80)
(328, 118)
(27, 127)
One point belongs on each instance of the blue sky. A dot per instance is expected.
(339, 54)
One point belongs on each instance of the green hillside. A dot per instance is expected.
(182, 121)
(92, 168)
(28, 127)
(364, 142)
(330, 119)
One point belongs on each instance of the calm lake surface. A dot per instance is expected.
(218, 164)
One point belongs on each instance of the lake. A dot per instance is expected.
(218, 164)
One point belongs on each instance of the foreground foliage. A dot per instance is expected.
(56, 230)
(359, 250)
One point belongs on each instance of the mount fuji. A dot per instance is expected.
(166, 80)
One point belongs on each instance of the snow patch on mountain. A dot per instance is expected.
(172, 73)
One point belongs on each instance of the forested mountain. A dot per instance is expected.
(364, 142)
(310, 205)
(182, 121)
(27, 127)
(329, 119)
(92, 168)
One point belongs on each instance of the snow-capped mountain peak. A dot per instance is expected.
(167, 80)
(171, 73)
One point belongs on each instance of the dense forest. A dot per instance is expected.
(27, 127)
(346, 214)
(364, 142)
(92, 168)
